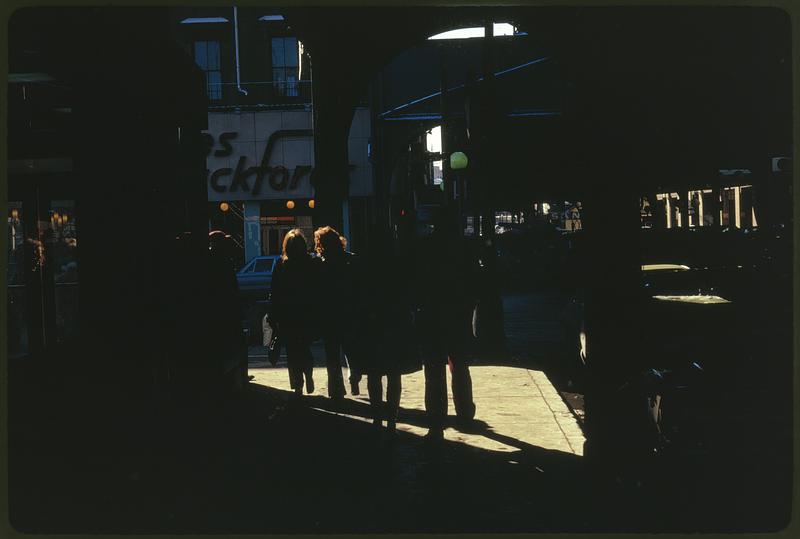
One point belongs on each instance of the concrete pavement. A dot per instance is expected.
(519, 407)
(516, 403)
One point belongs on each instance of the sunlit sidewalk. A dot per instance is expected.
(520, 408)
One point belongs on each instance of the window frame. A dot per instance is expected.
(248, 267)
(284, 87)
(218, 95)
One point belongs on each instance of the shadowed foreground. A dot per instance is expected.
(258, 463)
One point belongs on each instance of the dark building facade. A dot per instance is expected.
(260, 138)
(104, 161)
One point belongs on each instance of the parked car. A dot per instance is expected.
(691, 335)
(692, 284)
(255, 284)
(255, 278)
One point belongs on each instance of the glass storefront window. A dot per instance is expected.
(698, 209)
(673, 205)
(737, 207)
(15, 282)
(61, 239)
(707, 205)
(745, 207)
(274, 228)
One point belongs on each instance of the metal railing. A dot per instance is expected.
(266, 94)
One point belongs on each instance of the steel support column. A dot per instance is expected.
(334, 102)
(609, 142)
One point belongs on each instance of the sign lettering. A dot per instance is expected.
(278, 177)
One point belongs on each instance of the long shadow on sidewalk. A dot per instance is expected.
(258, 464)
(263, 465)
(445, 487)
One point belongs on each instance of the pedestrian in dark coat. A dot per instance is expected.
(341, 300)
(294, 308)
(228, 346)
(390, 338)
(445, 300)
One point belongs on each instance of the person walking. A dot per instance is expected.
(294, 308)
(445, 301)
(224, 306)
(390, 337)
(341, 301)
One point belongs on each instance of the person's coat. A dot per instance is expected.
(295, 301)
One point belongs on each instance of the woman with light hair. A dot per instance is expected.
(341, 302)
(294, 308)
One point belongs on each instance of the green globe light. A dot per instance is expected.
(458, 160)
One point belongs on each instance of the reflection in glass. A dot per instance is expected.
(62, 245)
(15, 282)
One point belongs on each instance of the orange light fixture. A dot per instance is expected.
(290, 204)
(224, 206)
(311, 203)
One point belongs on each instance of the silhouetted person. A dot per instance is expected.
(294, 308)
(341, 308)
(390, 337)
(445, 302)
(227, 338)
(184, 322)
(487, 320)
(222, 246)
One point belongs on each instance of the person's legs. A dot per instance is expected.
(462, 388)
(295, 364)
(393, 389)
(354, 376)
(309, 380)
(306, 364)
(333, 361)
(435, 394)
(354, 373)
(375, 390)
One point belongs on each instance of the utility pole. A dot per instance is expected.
(486, 153)
(471, 110)
(447, 176)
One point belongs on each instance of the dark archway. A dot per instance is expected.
(659, 98)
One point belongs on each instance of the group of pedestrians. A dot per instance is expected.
(386, 316)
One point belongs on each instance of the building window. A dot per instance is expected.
(285, 65)
(433, 142)
(672, 203)
(737, 207)
(61, 246)
(699, 204)
(206, 55)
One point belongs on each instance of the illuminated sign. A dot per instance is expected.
(251, 179)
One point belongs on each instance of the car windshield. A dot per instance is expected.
(264, 265)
